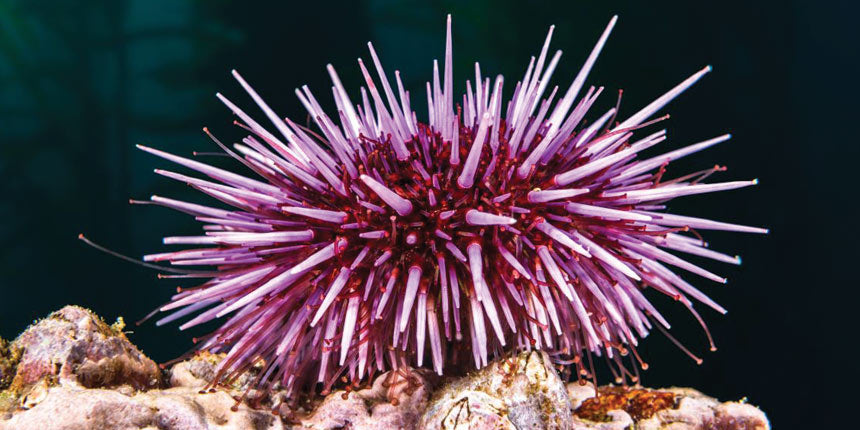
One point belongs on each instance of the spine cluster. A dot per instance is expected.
(378, 241)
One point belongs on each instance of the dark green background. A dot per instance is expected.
(82, 82)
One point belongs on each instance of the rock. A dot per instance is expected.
(78, 408)
(738, 415)
(74, 346)
(578, 393)
(199, 370)
(9, 357)
(671, 408)
(395, 401)
(72, 371)
(523, 392)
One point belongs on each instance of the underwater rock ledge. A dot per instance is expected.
(72, 371)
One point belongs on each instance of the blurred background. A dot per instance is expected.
(82, 82)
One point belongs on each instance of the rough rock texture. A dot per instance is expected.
(9, 357)
(199, 370)
(71, 371)
(395, 401)
(670, 408)
(522, 392)
(69, 408)
(75, 346)
(8, 361)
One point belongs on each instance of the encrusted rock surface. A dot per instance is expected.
(8, 361)
(665, 409)
(72, 371)
(70, 408)
(73, 345)
(522, 392)
(394, 401)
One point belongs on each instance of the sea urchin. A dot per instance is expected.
(379, 241)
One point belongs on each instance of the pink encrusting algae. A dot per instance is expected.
(378, 241)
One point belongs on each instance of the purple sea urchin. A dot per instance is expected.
(382, 240)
